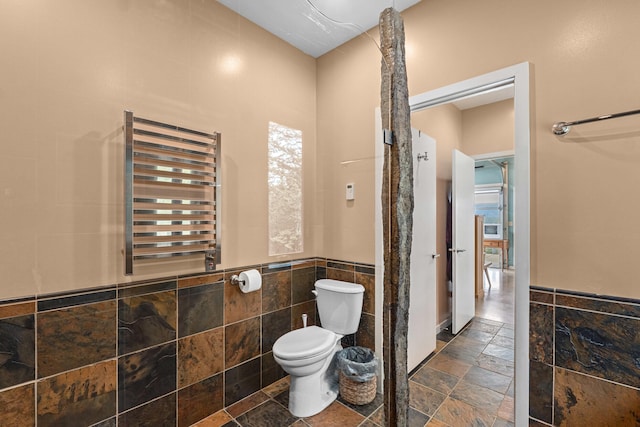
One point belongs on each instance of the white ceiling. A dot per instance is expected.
(315, 30)
(316, 27)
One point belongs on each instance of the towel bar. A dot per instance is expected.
(172, 191)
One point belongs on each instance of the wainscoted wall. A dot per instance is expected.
(584, 359)
(167, 352)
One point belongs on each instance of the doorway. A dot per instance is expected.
(494, 202)
(516, 77)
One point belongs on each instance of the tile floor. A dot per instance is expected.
(467, 381)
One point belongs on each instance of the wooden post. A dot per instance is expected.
(397, 217)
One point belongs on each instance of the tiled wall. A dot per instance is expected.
(167, 352)
(584, 359)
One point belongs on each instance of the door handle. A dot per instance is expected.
(434, 256)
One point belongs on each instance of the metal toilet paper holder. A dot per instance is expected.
(235, 280)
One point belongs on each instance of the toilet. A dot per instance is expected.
(307, 354)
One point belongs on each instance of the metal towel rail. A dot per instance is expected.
(172, 191)
(563, 128)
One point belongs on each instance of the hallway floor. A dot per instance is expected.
(498, 301)
(467, 381)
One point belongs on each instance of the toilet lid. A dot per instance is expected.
(304, 343)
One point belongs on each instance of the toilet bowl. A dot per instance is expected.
(308, 354)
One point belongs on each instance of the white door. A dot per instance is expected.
(463, 247)
(422, 294)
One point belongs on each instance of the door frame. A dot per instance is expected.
(518, 75)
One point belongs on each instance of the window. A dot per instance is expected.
(488, 203)
(285, 190)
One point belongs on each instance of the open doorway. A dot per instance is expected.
(517, 78)
(494, 210)
(482, 129)
(476, 351)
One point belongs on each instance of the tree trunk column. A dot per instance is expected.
(397, 217)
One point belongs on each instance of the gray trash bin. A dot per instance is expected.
(358, 380)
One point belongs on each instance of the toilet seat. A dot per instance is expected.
(304, 343)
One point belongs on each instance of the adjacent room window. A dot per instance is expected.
(285, 190)
(488, 203)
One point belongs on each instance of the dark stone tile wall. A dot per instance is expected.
(584, 359)
(276, 290)
(541, 391)
(581, 397)
(271, 371)
(200, 305)
(146, 374)
(600, 345)
(77, 336)
(275, 325)
(200, 400)
(241, 381)
(112, 422)
(165, 352)
(241, 341)
(17, 347)
(238, 305)
(160, 412)
(302, 280)
(200, 356)
(146, 320)
(17, 405)
(87, 394)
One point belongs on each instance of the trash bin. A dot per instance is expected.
(358, 379)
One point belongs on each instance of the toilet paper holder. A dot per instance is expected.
(235, 280)
(247, 281)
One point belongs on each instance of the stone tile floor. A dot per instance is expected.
(467, 381)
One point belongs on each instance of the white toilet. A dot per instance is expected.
(307, 354)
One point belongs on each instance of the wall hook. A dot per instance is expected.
(423, 156)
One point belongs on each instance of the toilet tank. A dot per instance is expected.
(339, 305)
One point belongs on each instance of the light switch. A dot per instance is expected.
(350, 191)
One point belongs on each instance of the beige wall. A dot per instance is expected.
(488, 129)
(347, 154)
(445, 125)
(584, 228)
(70, 68)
